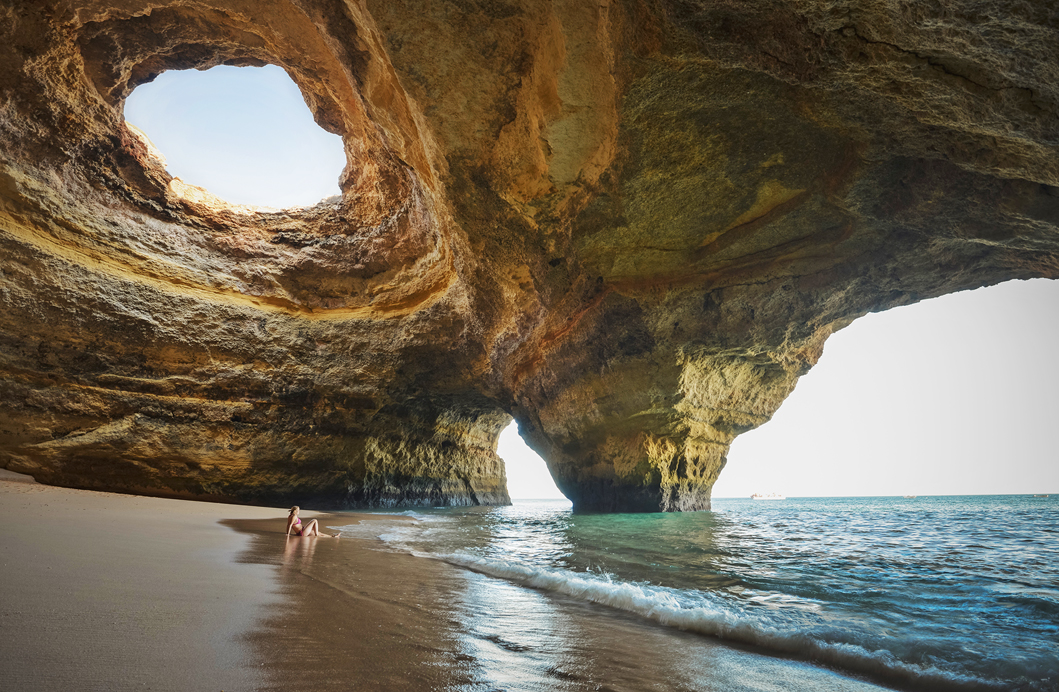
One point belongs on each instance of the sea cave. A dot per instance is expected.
(628, 226)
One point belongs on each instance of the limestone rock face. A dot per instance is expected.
(629, 225)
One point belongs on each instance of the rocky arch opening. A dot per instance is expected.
(951, 396)
(528, 477)
(244, 134)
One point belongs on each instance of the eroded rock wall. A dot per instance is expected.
(629, 225)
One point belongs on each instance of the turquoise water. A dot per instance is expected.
(957, 592)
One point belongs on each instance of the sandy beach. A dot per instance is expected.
(116, 592)
(103, 591)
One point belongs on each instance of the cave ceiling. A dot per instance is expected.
(629, 225)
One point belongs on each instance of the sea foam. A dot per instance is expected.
(921, 595)
(771, 631)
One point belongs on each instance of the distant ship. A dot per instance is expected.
(1040, 496)
(767, 496)
(910, 497)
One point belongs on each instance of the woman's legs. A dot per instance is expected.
(312, 528)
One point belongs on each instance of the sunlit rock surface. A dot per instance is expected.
(629, 225)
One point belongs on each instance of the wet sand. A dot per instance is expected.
(116, 592)
(103, 591)
(351, 618)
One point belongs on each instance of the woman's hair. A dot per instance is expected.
(294, 509)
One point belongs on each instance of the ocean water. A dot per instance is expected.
(933, 593)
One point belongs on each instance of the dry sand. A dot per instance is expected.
(116, 592)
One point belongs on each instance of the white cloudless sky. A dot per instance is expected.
(952, 396)
(956, 395)
(528, 477)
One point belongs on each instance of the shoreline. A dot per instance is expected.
(105, 591)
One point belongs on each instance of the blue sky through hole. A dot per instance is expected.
(957, 395)
(243, 133)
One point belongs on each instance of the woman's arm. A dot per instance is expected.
(290, 523)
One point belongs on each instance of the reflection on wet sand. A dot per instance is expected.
(353, 618)
(298, 551)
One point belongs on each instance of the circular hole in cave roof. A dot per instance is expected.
(244, 134)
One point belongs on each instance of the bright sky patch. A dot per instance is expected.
(242, 133)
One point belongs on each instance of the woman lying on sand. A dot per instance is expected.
(294, 525)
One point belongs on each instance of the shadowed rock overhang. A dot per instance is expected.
(629, 225)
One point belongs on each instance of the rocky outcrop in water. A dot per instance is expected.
(629, 225)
